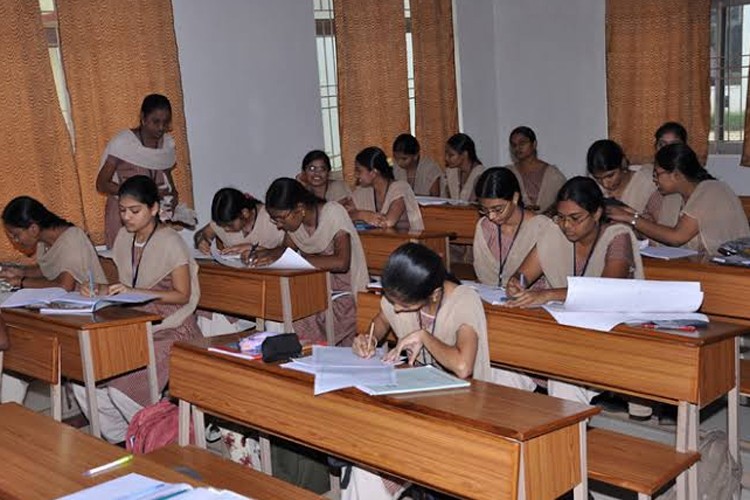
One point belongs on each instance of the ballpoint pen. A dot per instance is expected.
(251, 255)
(92, 290)
(522, 281)
(108, 466)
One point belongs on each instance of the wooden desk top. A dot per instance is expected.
(216, 268)
(403, 235)
(715, 332)
(503, 411)
(458, 220)
(105, 318)
(44, 459)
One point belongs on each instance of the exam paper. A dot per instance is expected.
(290, 260)
(426, 201)
(494, 295)
(606, 321)
(612, 295)
(667, 253)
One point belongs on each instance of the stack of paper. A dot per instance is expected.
(338, 367)
(423, 378)
(58, 301)
(603, 303)
(426, 201)
(667, 253)
(494, 295)
(137, 487)
(289, 260)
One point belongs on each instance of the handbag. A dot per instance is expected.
(281, 347)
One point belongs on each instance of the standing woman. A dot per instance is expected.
(65, 257)
(421, 172)
(238, 221)
(507, 231)
(712, 213)
(325, 235)
(145, 150)
(539, 180)
(150, 258)
(464, 168)
(316, 176)
(381, 200)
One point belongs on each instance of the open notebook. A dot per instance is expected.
(59, 301)
(420, 379)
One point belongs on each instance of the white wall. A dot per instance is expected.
(250, 83)
(727, 169)
(540, 64)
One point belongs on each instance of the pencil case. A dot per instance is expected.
(281, 347)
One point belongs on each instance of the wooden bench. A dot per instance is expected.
(225, 474)
(635, 464)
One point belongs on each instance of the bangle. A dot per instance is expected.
(634, 221)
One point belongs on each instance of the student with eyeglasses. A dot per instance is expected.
(316, 176)
(712, 213)
(506, 231)
(586, 244)
(539, 180)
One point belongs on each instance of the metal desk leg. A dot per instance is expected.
(87, 358)
(581, 492)
(153, 381)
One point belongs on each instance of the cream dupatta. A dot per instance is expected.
(264, 233)
(427, 173)
(72, 252)
(364, 199)
(719, 214)
(462, 307)
(640, 188)
(555, 254)
(164, 252)
(337, 190)
(127, 147)
(552, 181)
(487, 268)
(333, 218)
(452, 183)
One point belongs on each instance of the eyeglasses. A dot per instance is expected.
(495, 211)
(315, 168)
(573, 219)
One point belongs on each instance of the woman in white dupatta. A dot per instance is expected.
(712, 212)
(437, 321)
(421, 172)
(463, 168)
(65, 258)
(145, 150)
(239, 222)
(539, 180)
(325, 235)
(316, 176)
(380, 200)
(150, 258)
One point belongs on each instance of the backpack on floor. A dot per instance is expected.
(154, 427)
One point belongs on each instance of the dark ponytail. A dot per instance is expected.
(461, 143)
(285, 194)
(680, 157)
(24, 211)
(374, 158)
(413, 272)
(228, 204)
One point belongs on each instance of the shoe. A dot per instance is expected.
(639, 413)
(610, 402)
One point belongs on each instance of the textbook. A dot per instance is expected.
(59, 301)
(420, 379)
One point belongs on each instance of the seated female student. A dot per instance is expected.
(539, 180)
(315, 176)
(712, 212)
(607, 165)
(238, 221)
(585, 245)
(325, 235)
(421, 172)
(65, 257)
(507, 231)
(437, 321)
(150, 258)
(463, 168)
(380, 200)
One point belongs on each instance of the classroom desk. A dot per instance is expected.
(44, 459)
(93, 348)
(726, 288)
(487, 441)
(282, 296)
(689, 371)
(460, 221)
(380, 243)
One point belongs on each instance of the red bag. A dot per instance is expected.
(154, 427)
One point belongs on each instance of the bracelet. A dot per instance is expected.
(634, 221)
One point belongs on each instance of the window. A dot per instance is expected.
(730, 59)
(49, 21)
(325, 34)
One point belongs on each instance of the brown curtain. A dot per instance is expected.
(657, 71)
(372, 76)
(115, 53)
(434, 75)
(36, 157)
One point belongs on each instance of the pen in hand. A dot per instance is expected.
(522, 281)
(92, 289)
(369, 337)
(251, 255)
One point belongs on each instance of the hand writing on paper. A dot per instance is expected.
(412, 344)
(85, 290)
(528, 298)
(261, 257)
(118, 288)
(364, 346)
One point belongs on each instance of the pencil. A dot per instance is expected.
(369, 337)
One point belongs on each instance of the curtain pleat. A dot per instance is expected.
(434, 75)
(115, 53)
(36, 157)
(372, 77)
(657, 71)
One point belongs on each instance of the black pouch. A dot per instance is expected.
(281, 347)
